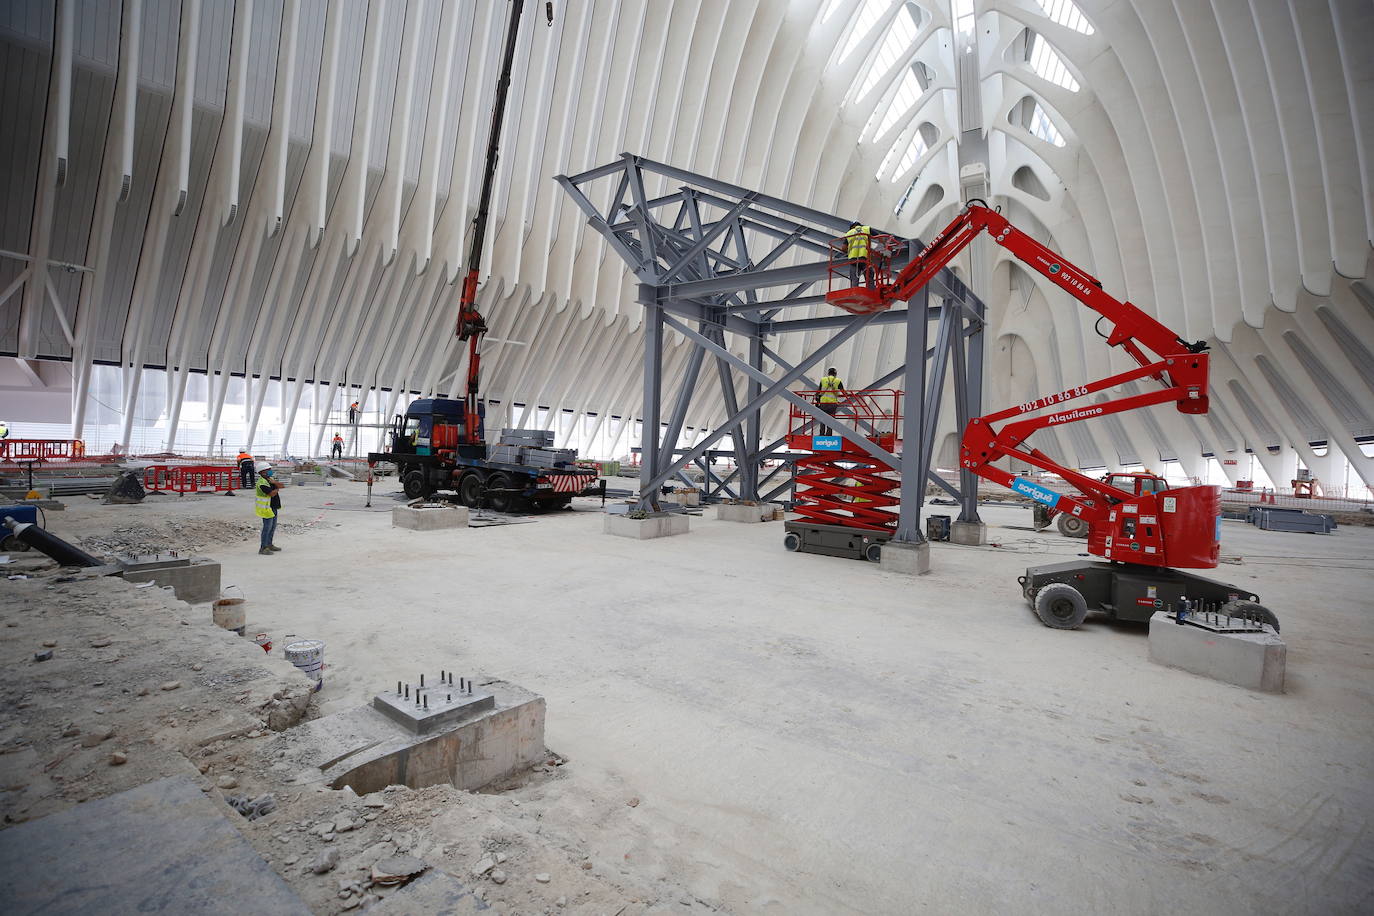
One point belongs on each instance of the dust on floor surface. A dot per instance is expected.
(814, 735)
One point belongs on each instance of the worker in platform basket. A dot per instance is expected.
(267, 505)
(336, 449)
(829, 397)
(246, 471)
(4, 430)
(857, 243)
(353, 413)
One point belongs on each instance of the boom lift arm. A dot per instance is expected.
(1177, 366)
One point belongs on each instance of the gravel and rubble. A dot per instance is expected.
(142, 686)
(185, 536)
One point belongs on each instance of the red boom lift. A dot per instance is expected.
(1144, 536)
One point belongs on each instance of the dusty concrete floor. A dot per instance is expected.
(812, 735)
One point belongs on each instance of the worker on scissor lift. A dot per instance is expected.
(829, 398)
(857, 242)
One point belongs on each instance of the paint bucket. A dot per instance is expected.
(228, 611)
(308, 656)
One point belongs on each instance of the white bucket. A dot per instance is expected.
(308, 656)
(229, 612)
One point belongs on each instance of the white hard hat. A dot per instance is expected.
(262, 466)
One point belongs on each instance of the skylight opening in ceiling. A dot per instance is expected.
(863, 21)
(830, 7)
(908, 91)
(1067, 13)
(1041, 126)
(914, 150)
(896, 43)
(1047, 63)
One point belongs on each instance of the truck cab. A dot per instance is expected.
(432, 425)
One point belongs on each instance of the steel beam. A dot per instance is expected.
(913, 480)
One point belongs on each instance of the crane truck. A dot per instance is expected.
(1147, 539)
(440, 443)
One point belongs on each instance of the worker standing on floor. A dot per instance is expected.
(352, 413)
(857, 243)
(829, 397)
(245, 462)
(267, 505)
(336, 450)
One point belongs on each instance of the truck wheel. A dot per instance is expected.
(873, 553)
(1071, 526)
(502, 501)
(1061, 606)
(1251, 609)
(415, 485)
(791, 541)
(470, 489)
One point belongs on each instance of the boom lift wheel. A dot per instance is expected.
(1259, 612)
(415, 485)
(1061, 606)
(470, 489)
(1071, 526)
(497, 497)
(791, 541)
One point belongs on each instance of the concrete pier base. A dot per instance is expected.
(655, 526)
(739, 512)
(429, 518)
(1252, 660)
(193, 580)
(970, 534)
(908, 559)
(367, 751)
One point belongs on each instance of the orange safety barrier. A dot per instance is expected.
(40, 450)
(190, 478)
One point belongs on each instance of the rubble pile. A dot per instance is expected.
(188, 535)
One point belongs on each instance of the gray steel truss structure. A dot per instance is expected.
(714, 259)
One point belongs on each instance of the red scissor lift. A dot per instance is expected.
(847, 498)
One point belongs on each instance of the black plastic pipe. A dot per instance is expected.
(65, 554)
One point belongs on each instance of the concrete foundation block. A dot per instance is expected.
(1252, 660)
(429, 518)
(194, 581)
(970, 534)
(738, 512)
(908, 559)
(365, 750)
(655, 526)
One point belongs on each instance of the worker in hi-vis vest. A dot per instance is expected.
(266, 503)
(4, 430)
(828, 399)
(857, 244)
(245, 462)
(336, 450)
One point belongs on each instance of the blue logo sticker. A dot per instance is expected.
(1035, 491)
(826, 443)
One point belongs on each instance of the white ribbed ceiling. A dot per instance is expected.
(282, 189)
